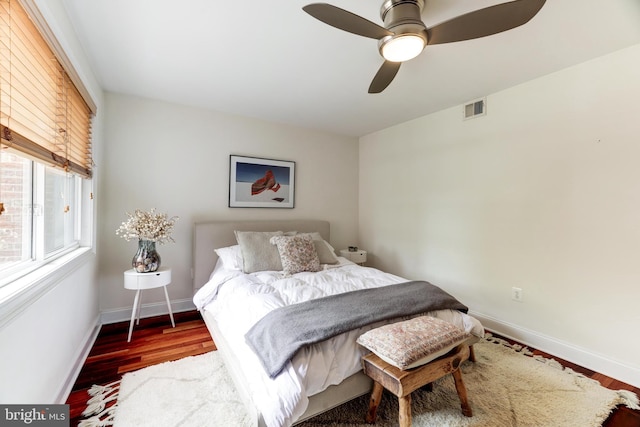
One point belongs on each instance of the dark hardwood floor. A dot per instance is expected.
(155, 341)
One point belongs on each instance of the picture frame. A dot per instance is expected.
(261, 183)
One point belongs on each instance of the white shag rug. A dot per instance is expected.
(196, 391)
(505, 386)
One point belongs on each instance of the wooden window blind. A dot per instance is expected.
(42, 113)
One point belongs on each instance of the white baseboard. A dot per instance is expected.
(81, 357)
(146, 310)
(563, 350)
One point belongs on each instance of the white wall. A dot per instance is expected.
(543, 194)
(43, 346)
(176, 159)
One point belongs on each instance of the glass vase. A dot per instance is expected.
(147, 259)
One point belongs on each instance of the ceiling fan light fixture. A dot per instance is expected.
(404, 35)
(402, 47)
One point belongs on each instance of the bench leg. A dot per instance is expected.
(405, 410)
(374, 402)
(462, 393)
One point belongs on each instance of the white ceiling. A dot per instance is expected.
(270, 60)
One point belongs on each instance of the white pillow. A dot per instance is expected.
(231, 257)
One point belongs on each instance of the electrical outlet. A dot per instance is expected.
(516, 294)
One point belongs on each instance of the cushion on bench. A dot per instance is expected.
(413, 342)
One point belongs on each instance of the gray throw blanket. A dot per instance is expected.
(282, 332)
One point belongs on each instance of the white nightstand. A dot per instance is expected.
(140, 281)
(359, 256)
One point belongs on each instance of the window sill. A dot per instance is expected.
(18, 295)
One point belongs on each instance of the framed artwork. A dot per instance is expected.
(261, 183)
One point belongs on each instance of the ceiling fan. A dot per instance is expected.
(404, 35)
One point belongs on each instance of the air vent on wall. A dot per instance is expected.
(475, 108)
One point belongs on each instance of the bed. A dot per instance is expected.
(320, 376)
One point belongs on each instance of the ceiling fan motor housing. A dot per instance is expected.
(403, 18)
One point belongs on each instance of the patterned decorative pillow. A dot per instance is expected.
(413, 342)
(297, 253)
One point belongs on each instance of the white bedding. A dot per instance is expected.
(237, 301)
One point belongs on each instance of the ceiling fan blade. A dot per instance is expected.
(384, 76)
(346, 21)
(485, 22)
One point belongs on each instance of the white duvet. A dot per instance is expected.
(237, 301)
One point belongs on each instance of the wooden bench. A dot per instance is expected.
(402, 383)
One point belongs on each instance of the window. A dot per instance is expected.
(58, 214)
(45, 146)
(42, 214)
(15, 191)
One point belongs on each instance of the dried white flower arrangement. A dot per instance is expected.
(147, 226)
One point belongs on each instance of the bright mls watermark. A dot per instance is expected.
(34, 415)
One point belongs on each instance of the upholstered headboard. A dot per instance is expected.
(210, 235)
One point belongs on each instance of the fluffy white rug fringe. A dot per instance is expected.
(96, 405)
